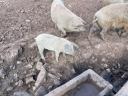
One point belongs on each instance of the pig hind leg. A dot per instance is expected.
(120, 31)
(57, 55)
(103, 32)
(124, 32)
(95, 28)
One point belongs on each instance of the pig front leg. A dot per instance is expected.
(41, 50)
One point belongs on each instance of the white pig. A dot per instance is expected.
(54, 43)
(106, 2)
(66, 20)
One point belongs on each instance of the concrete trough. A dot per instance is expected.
(123, 91)
(88, 75)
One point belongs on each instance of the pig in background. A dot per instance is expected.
(107, 2)
(112, 17)
(64, 19)
(56, 44)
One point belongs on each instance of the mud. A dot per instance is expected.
(21, 21)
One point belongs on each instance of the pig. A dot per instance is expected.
(107, 2)
(56, 44)
(66, 20)
(111, 17)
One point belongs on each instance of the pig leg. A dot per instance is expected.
(64, 55)
(119, 33)
(57, 55)
(63, 31)
(90, 33)
(95, 27)
(41, 50)
(103, 32)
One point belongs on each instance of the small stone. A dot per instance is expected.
(2, 73)
(50, 87)
(19, 83)
(125, 75)
(39, 65)
(103, 59)
(29, 66)
(29, 80)
(57, 82)
(19, 62)
(105, 65)
(9, 88)
(21, 93)
(15, 76)
(41, 91)
(14, 67)
(69, 5)
(27, 20)
(51, 76)
(22, 11)
(37, 59)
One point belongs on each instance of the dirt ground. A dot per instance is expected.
(22, 20)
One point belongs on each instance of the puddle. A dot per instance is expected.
(85, 89)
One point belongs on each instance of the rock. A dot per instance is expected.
(13, 66)
(29, 80)
(125, 75)
(32, 45)
(39, 65)
(55, 79)
(105, 65)
(19, 83)
(15, 76)
(19, 62)
(29, 66)
(57, 82)
(51, 76)
(2, 73)
(9, 88)
(21, 93)
(41, 91)
(11, 55)
(40, 78)
(103, 59)
(27, 20)
(37, 59)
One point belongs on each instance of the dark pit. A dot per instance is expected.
(88, 88)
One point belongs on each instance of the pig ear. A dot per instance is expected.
(68, 48)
